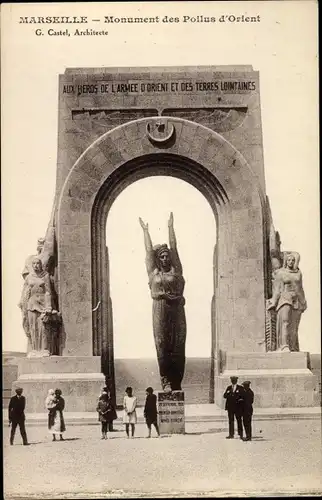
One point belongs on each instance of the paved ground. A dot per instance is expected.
(284, 458)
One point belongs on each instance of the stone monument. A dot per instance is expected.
(201, 125)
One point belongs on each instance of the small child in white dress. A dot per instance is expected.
(129, 414)
(50, 399)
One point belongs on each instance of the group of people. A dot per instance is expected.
(55, 405)
(107, 413)
(239, 405)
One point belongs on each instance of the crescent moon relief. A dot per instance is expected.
(160, 131)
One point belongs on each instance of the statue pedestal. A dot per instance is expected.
(278, 379)
(171, 412)
(79, 378)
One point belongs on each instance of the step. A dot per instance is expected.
(193, 413)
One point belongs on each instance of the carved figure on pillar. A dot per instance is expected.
(41, 322)
(166, 283)
(28, 263)
(26, 270)
(288, 301)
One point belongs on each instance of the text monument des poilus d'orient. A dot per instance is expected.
(201, 125)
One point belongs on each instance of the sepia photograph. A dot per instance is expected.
(160, 250)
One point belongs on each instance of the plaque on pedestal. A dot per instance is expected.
(171, 412)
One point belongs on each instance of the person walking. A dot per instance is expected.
(248, 410)
(129, 414)
(16, 416)
(234, 405)
(150, 411)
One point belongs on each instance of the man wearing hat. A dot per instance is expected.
(248, 410)
(16, 415)
(234, 405)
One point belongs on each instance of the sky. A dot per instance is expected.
(287, 64)
(152, 199)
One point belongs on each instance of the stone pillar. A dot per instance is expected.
(214, 346)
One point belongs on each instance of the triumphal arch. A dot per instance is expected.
(201, 125)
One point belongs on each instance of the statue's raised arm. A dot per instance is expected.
(173, 246)
(150, 259)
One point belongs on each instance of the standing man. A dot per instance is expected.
(248, 410)
(16, 415)
(234, 405)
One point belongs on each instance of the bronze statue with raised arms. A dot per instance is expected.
(166, 283)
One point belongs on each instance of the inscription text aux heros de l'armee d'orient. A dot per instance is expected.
(150, 87)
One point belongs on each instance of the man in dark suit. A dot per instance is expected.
(234, 405)
(248, 410)
(16, 415)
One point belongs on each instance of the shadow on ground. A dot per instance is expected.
(208, 431)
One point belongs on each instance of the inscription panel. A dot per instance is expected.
(171, 412)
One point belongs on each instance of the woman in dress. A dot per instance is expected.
(57, 423)
(166, 283)
(150, 411)
(289, 302)
(129, 414)
(36, 305)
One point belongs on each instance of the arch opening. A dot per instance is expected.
(152, 198)
(147, 167)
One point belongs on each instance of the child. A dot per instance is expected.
(50, 399)
(129, 415)
(150, 411)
